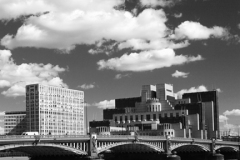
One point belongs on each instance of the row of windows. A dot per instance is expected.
(14, 126)
(143, 117)
(13, 120)
(15, 117)
(51, 89)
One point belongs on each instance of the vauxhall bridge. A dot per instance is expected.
(94, 145)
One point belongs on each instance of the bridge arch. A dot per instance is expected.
(45, 148)
(188, 146)
(225, 147)
(107, 147)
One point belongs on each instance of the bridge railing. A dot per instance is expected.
(42, 136)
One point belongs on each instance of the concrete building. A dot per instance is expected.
(54, 110)
(159, 113)
(14, 122)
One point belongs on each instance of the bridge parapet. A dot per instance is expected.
(103, 143)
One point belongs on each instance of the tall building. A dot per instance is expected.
(14, 122)
(54, 110)
(159, 113)
(209, 96)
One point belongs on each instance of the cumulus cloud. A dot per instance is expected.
(103, 46)
(162, 3)
(2, 113)
(223, 118)
(57, 25)
(200, 88)
(106, 104)
(177, 15)
(1, 130)
(180, 74)
(120, 76)
(12, 9)
(156, 44)
(146, 60)
(219, 90)
(229, 129)
(15, 77)
(194, 30)
(87, 86)
(234, 112)
(79, 25)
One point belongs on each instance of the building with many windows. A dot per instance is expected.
(54, 110)
(14, 122)
(159, 113)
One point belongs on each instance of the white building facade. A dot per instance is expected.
(14, 122)
(54, 110)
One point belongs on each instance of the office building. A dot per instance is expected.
(14, 122)
(54, 110)
(159, 113)
(209, 96)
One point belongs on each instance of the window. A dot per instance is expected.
(148, 117)
(131, 118)
(165, 115)
(154, 117)
(136, 117)
(177, 114)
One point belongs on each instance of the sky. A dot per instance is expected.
(110, 48)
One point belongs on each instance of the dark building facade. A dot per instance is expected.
(126, 102)
(120, 105)
(108, 113)
(209, 96)
(157, 112)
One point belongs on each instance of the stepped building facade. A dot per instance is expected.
(157, 112)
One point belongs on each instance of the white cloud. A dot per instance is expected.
(1, 130)
(178, 15)
(14, 77)
(201, 88)
(146, 60)
(4, 83)
(180, 74)
(223, 118)
(219, 90)
(59, 25)
(84, 25)
(234, 112)
(103, 46)
(120, 76)
(2, 113)
(229, 129)
(12, 9)
(162, 3)
(105, 104)
(87, 86)
(156, 44)
(194, 30)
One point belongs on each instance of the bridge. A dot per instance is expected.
(94, 145)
